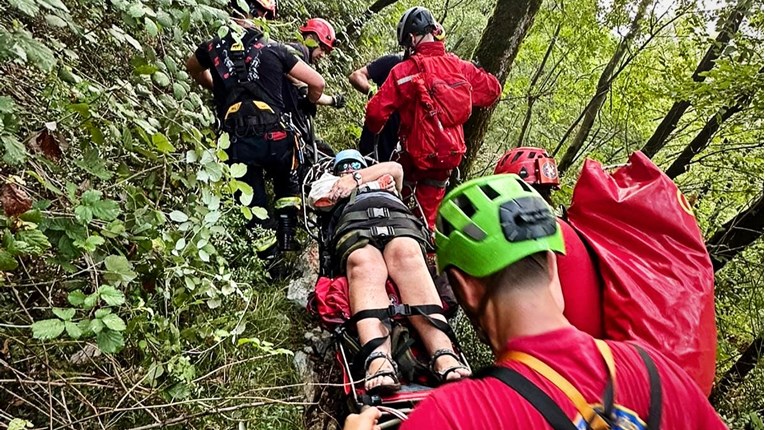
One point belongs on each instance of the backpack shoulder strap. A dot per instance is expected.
(542, 402)
(576, 397)
(655, 405)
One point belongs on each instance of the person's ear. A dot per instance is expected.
(467, 289)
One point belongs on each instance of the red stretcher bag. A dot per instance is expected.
(330, 300)
(658, 277)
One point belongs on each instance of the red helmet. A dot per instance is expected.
(264, 8)
(323, 31)
(533, 165)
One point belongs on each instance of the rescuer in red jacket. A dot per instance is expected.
(580, 283)
(400, 94)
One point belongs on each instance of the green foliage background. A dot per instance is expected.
(133, 271)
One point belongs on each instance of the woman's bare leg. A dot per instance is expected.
(367, 275)
(407, 268)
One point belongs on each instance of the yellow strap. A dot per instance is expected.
(262, 106)
(237, 46)
(233, 109)
(584, 408)
(608, 356)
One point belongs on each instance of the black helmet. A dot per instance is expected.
(264, 8)
(417, 20)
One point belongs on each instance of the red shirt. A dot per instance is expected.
(580, 283)
(490, 404)
(397, 92)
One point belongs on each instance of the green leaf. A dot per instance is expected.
(33, 216)
(178, 216)
(14, 151)
(165, 19)
(106, 210)
(110, 341)
(28, 7)
(65, 314)
(93, 163)
(259, 212)
(47, 329)
(53, 5)
(7, 105)
(73, 330)
(155, 371)
(204, 256)
(83, 214)
(145, 69)
(223, 31)
(161, 79)
(35, 240)
(90, 244)
(224, 141)
(151, 27)
(114, 322)
(19, 424)
(7, 261)
(37, 52)
(55, 21)
(96, 325)
(111, 295)
(161, 142)
(238, 170)
(76, 298)
(100, 313)
(179, 91)
(136, 10)
(119, 270)
(246, 212)
(90, 301)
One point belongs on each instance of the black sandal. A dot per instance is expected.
(382, 389)
(441, 376)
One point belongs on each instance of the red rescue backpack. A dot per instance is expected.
(657, 275)
(443, 102)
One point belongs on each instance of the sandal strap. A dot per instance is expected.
(440, 353)
(379, 354)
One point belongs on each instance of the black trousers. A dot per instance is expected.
(264, 157)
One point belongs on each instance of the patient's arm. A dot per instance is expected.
(345, 186)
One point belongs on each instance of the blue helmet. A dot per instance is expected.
(348, 159)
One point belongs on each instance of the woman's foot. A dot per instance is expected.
(447, 366)
(381, 374)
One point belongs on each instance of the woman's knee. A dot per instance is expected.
(404, 250)
(363, 261)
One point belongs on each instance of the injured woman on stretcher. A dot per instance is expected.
(374, 236)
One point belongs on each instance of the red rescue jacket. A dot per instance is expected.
(397, 93)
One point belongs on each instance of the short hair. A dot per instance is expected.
(530, 272)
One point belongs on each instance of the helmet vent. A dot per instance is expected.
(524, 185)
(474, 232)
(517, 156)
(465, 205)
(445, 227)
(490, 192)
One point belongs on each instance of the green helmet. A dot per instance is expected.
(489, 223)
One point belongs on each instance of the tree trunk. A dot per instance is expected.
(496, 52)
(736, 234)
(601, 92)
(531, 98)
(353, 30)
(736, 373)
(669, 123)
(701, 141)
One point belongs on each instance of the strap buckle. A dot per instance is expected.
(401, 309)
(378, 213)
(381, 231)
